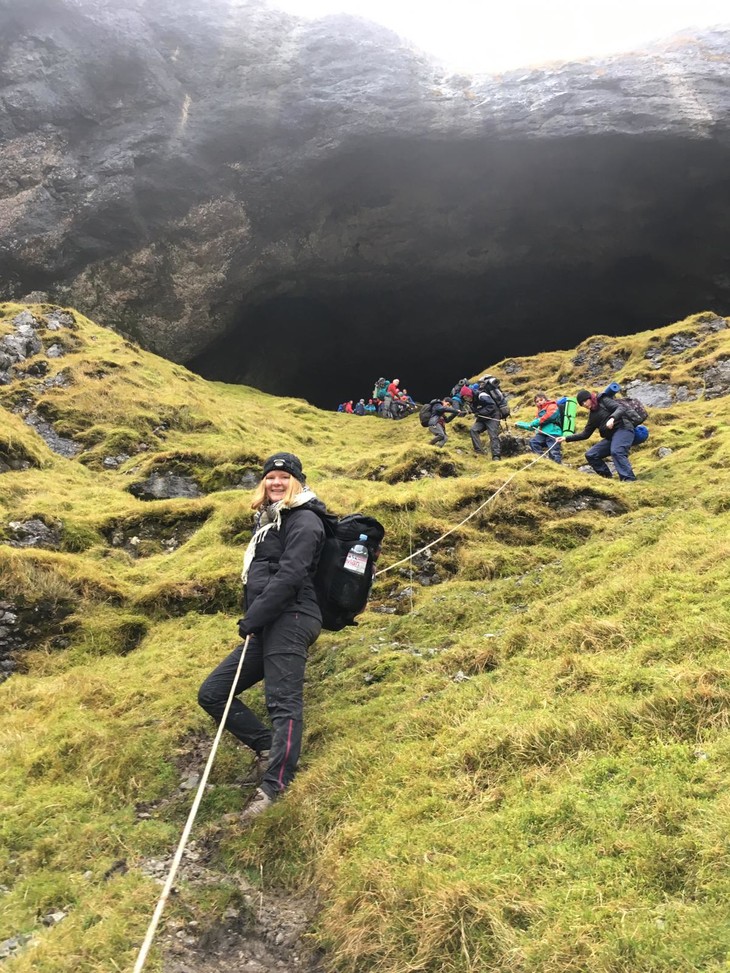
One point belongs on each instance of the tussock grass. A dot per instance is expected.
(520, 766)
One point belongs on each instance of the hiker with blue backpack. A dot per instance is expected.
(616, 421)
(549, 426)
(282, 620)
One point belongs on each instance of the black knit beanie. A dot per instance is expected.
(286, 463)
(582, 395)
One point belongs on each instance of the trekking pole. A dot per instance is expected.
(151, 929)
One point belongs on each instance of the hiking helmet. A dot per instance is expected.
(285, 463)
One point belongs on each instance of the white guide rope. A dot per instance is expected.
(145, 948)
(164, 895)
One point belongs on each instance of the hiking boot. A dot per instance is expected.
(259, 803)
(257, 770)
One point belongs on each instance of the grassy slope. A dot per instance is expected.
(561, 805)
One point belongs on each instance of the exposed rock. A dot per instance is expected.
(59, 444)
(153, 535)
(165, 486)
(659, 395)
(11, 947)
(22, 626)
(717, 379)
(207, 174)
(514, 445)
(9, 463)
(34, 533)
(663, 452)
(23, 343)
(681, 342)
(566, 502)
(112, 462)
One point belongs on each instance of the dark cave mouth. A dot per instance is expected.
(521, 248)
(328, 349)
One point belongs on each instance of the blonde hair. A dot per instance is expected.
(259, 497)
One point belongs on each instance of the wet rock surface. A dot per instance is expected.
(59, 444)
(242, 171)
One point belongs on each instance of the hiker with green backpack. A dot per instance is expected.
(549, 428)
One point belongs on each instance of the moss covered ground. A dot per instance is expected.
(521, 768)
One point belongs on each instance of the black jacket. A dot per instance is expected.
(623, 415)
(281, 575)
(444, 412)
(485, 406)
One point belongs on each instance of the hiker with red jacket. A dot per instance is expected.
(282, 620)
(392, 392)
(616, 422)
(549, 430)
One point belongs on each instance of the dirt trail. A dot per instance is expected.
(265, 934)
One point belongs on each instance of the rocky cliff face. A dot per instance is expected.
(275, 201)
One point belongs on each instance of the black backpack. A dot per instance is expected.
(639, 408)
(636, 404)
(343, 594)
(425, 413)
(497, 396)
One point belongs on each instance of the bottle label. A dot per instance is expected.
(356, 562)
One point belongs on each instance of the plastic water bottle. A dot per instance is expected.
(357, 557)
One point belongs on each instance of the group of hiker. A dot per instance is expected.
(484, 400)
(389, 401)
(305, 569)
(619, 422)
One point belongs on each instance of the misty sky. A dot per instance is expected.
(479, 35)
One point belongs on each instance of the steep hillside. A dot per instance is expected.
(517, 762)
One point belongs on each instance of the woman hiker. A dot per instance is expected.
(282, 620)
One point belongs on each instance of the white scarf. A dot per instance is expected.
(267, 518)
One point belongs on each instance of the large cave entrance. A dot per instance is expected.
(433, 259)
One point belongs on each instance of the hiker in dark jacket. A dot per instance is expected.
(488, 418)
(549, 430)
(441, 413)
(282, 620)
(616, 421)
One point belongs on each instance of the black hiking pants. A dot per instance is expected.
(278, 655)
(492, 428)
